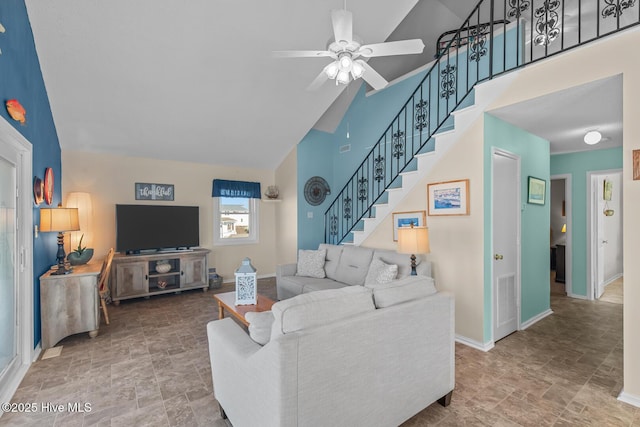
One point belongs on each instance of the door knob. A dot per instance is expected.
(497, 257)
(605, 241)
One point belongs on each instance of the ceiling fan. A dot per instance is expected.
(346, 49)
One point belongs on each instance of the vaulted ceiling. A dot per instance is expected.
(195, 81)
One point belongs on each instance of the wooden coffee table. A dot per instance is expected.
(227, 301)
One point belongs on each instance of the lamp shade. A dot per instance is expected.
(413, 240)
(59, 219)
(82, 201)
(564, 228)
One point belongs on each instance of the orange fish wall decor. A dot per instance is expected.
(16, 111)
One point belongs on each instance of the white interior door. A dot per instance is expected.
(600, 238)
(9, 159)
(16, 274)
(506, 232)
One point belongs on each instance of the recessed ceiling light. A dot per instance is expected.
(592, 137)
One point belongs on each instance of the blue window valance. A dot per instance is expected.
(225, 188)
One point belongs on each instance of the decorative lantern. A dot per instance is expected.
(246, 284)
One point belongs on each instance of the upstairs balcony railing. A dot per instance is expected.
(497, 37)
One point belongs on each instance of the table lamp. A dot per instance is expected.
(413, 240)
(59, 219)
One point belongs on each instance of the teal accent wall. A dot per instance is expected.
(534, 222)
(578, 165)
(21, 79)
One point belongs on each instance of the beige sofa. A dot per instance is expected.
(344, 266)
(355, 356)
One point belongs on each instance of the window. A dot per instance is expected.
(236, 214)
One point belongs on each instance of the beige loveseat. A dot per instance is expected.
(343, 266)
(356, 356)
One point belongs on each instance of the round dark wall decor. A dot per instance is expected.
(315, 190)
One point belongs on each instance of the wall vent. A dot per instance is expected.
(345, 148)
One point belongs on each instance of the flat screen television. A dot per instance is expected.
(152, 227)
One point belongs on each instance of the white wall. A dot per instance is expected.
(110, 180)
(287, 210)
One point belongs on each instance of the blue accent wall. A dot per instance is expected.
(21, 79)
(534, 221)
(578, 165)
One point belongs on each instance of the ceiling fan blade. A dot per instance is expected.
(342, 25)
(401, 47)
(301, 53)
(372, 77)
(318, 81)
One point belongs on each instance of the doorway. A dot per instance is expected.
(506, 248)
(16, 283)
(605, 229)
(560, 235)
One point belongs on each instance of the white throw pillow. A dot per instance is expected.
(380, 273)
(260, 325)
(311, 263)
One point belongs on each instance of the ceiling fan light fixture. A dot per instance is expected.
(345, 62)
(332, 69)
(342, 77)
(357, 70)
(592, 137)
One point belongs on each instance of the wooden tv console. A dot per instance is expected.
(134, 276)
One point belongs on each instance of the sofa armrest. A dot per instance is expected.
(286, 270)
(248, 375)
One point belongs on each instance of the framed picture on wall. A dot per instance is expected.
(448, 198)
(537, 191)
(405, 219)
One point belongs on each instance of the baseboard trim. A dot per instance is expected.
(629, 398)
(535, 319)
(613, 279)
(474, 344)
(577, 296)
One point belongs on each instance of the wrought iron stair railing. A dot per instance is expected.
(497, 37)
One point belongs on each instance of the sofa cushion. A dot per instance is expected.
(402, 290)
(380, 272)
(332, 260)
(260, 324)
(354, 265)
(311, 263)
(319, 308)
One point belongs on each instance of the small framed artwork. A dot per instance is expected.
(636, 164)
(537, 191)
(405, 219)
(146, 191)
(448, 198)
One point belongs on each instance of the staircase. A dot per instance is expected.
(497, 38)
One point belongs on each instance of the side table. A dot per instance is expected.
(69, 303)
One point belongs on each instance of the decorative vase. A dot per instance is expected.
(76, 258)
(163, 267)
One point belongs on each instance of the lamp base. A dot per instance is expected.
(60, 257)
(413, 265)
(61, 271)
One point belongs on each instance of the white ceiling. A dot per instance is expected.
(195, 81)
(564, 117)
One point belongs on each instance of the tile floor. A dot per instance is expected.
(150, 367)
